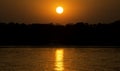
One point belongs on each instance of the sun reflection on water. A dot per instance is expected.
(59, 64)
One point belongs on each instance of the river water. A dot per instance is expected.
(59, 59)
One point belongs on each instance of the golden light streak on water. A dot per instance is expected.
(59, 61)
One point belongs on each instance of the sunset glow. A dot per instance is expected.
(59, 11)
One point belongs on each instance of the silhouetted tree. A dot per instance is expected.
(70, 34)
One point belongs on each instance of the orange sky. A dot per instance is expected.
(43, 11)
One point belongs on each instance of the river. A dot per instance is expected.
(61, 58)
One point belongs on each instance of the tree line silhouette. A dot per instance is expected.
(50, 34)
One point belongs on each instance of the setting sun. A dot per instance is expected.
(59, 10)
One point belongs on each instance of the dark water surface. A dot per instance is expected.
(59, 59)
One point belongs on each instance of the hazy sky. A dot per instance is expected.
(43, 11)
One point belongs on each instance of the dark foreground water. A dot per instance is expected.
(59, 59)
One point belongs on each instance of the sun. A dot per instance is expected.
(59, 10)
